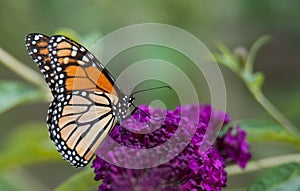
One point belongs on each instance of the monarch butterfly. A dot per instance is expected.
(87, 101)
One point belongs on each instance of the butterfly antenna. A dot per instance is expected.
(149, 89)
(137, 108)
(155, 88)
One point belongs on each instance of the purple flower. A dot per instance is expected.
(142, 114)
(234, 146)
(187, 168)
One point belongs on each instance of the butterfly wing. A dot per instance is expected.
(78, 124)
(37, 46)
(81, 115)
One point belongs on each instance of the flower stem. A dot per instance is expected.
(274, 112)
(241, 63)
(263, 163)
(21, 69)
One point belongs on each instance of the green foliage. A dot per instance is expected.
(16, 179)
(283, 177)
(15, 93)
(4, 185)
(266, 131)
(233, 22)
(83, 180)
(242, 63)
(28, 144)
(72, 34)
(88, 40)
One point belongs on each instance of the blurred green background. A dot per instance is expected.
(232, 22)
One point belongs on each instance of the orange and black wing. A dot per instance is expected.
(37, 46)
(78, 124)
(81, 115)
(68, 66)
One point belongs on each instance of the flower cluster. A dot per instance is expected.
(234, 147)
(186, 167)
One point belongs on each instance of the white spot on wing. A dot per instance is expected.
(73, 53)
(84, 58)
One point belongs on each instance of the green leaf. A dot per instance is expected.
(27, 144)
(227, 58)
(283, 177)
(266, 131)
(14, 93)
(83, 180)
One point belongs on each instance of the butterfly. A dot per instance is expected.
(87, 102)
